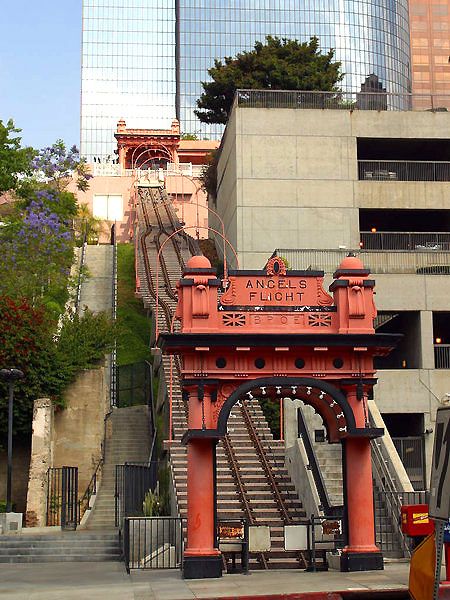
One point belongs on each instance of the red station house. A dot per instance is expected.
(278, 333)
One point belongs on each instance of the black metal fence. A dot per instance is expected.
(325, 534)
(153, 542)
(133, 482)
(62, 497)
(406, 241)
(233, 541)
(412, 453)
(403, 170)
(134, 384)
(388, 518)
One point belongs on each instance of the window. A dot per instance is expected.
(108, 207)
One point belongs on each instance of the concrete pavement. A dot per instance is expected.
(109, 581)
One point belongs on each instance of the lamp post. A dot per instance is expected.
(10, 376)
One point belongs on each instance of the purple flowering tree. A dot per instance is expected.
(37, 250)
(56, 165)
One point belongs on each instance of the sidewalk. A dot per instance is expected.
(109, 581)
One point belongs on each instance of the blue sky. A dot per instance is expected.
(40, 69)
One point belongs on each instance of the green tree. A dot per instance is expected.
(50, 364)
(188, 136)
(56, 165)
(209, 175)
(14, 160)
(279, 64)
(87, 226)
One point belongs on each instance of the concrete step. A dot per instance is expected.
(81, 557)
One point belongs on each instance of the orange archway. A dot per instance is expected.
(278, 333)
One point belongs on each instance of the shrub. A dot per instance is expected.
(150, 506)
(27, 342)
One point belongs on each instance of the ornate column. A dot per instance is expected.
(201, 558)
(361, 553)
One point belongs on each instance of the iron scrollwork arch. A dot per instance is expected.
(309, 382)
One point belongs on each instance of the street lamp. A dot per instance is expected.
(10, 376)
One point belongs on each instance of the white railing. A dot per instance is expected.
(418, 241)
(341, 100)
(403, 170)
(377, 261)
(442, 356)
(106, 170)
(172, 170)
(179, 169)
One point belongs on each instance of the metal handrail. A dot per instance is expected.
(388, 485)
(113, 359)
(442, 356)
(152, 420)
(91, 490)
(313, 463)
(340, 100)
(416, 241)
(377, 261)
(403, 170)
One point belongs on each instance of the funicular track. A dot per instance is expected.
(253, 491)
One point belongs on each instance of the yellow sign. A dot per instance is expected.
(420, 518)
(422, 570)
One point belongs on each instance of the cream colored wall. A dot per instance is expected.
(70, 437)
(227, 200)
(289, 178)
(401, 194)
(413, 391)
(78, 430)
(412, 292)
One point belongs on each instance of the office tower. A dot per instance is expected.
(370, 37)
(128, 70)
(144, 60)
(430, 48)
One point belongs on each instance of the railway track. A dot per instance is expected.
(251, 480)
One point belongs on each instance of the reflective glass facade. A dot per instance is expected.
(128, 69)
(369, 36)
(430, 48)
(129, 52)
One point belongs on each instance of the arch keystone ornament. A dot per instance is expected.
(277, 334)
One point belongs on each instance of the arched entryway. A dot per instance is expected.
(277, 333)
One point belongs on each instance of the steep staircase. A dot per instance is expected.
(129, 442)
(329, 456)
(98, 541)
(59, 546)
(261, 499)
(96, 291)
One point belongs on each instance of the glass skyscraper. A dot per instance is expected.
(144, 60)
(127, 70)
